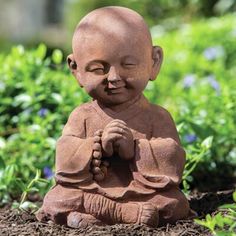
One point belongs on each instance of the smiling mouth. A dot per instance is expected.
(115, 90)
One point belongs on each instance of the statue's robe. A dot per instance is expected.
(154, 172)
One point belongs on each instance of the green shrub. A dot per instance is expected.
(199, 74)
(224, 222)
(37, 95)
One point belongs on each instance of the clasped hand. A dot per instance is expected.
(118, 138)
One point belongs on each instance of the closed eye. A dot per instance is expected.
(129, 65)
(97, 67)
(98, 71)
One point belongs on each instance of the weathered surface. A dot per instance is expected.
(119, 159)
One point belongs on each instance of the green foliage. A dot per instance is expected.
(170, 12)
(36, 98)
(196, 83)
(26, 189)
(199, 74)
(223, 223)
(57, 56)
(195, 155)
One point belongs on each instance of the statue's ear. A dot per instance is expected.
(73, 68)
(72, 63)
(157, 57)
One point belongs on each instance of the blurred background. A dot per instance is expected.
(30, 22)
(37, 91)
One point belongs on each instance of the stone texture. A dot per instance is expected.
(119, 159)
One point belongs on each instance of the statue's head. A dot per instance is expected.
(113, 57)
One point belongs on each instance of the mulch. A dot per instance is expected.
(14, 223)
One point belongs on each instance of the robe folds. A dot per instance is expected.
(156, 167)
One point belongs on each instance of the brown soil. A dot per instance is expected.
(13, 223)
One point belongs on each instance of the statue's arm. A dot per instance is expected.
(74, 151)
(160, 160)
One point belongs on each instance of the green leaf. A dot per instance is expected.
(228, 221)
(219, 220)
(9, 173)
(15, 205)
(43, 181)
(57, 97)
(2, 163)
(27, 205)
(207, 143)
(21, 185)
(228, 206)
(180, 126)
(201, 222)
(33, 189)
(223, 233)
(208, 217)
(234, 196)
(57, 56)
(18, 51)
(2, 143)
(41, 51)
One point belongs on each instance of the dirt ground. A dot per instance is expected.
(13, 223)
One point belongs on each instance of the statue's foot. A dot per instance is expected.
(81, 220)
(40, 215)
(56, 217)
(148, 215)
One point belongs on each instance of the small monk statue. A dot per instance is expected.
(119, 159)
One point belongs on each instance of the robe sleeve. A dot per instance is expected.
(74, 151)
(159, 162)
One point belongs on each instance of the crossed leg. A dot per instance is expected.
(171, 204)
(76, 208)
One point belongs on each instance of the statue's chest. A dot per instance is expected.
(140, 126)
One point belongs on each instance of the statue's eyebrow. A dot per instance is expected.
(131, 58)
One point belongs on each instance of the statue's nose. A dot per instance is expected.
(113, 75)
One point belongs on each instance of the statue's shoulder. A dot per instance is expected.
(75, 122)
(82, 110)
(163, 123)
(160, 112)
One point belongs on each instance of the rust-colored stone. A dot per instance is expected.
(142, 161)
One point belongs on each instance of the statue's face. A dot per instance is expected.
(112, 70)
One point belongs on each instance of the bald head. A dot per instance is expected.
(114, 37)
(112, 23)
